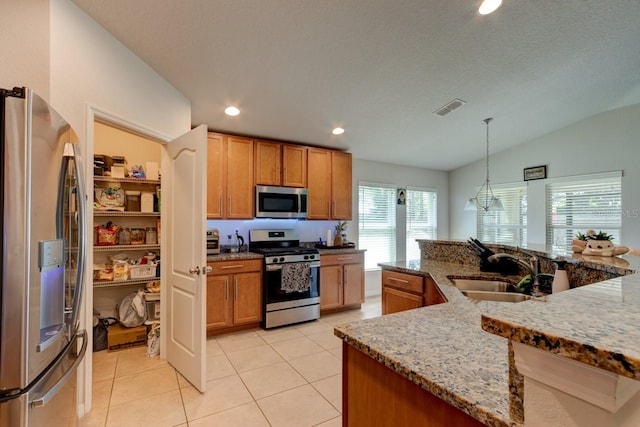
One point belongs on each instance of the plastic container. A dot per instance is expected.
(124, 237)
(132, 203)
(142, 271)
(151, 236)
(560, 279)
(138, 236)
(146, 202)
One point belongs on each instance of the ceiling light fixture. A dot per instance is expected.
(232, 111)
(490, 202)
(489, 6)
(337, 131)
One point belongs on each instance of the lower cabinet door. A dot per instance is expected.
(219, 302)
(394, 301)
(247, 302)
(353, 284)
(330, 287)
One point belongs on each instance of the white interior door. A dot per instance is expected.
(184, 177)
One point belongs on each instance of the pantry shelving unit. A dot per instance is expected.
(114, 290)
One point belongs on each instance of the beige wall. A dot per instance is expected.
(24, 45)
(112, 141)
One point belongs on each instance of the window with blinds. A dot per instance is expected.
(377, 223)
(508, 226)
(422, 214)
(577, 204)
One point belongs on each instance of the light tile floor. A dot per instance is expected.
(290, 376)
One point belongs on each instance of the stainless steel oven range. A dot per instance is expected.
(291, 277)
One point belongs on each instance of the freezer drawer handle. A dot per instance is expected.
(36, 403)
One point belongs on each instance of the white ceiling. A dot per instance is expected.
(379, 68)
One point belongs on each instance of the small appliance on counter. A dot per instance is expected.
(213, 241)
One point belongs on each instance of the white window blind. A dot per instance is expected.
(377, 223)
(508, 226)
(580, 203)
(422, 214)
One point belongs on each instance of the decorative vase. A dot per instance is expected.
(337, 241)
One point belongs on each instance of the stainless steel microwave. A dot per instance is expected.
(281, 202)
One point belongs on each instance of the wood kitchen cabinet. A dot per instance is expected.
(234, 295)
(341, 281)
(229, 177)
(280, 164)
(402, 292)
(329, 184)
(294, 166)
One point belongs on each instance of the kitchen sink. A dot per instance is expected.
(483, 285)
(496, 296)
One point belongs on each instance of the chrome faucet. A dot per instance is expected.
(532, 265)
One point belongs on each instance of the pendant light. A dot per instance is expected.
(490, 202)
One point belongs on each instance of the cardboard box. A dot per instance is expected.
(121, 337)
(146, 202)
(117, 171)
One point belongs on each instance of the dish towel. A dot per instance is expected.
(296, 277)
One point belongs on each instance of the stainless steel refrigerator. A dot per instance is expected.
(43, 251)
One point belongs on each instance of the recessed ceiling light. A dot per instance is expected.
(231, 111)
(489, 6)
(337, 131)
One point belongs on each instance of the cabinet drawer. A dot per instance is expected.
(235, 266)
(407, 282)
(338, 259)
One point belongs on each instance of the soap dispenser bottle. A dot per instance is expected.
(560, 279)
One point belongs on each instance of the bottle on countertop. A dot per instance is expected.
(560, 279)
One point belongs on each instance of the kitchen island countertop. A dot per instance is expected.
(444, 349)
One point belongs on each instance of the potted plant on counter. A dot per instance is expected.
(600, 244)
(341, 234)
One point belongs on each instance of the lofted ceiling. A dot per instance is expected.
(380, 68)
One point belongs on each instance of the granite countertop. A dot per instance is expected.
(446, 348)
(415, 343)
(341, 251)
(233, 256)
(595, 324)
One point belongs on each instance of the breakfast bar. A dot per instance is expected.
(456, 363)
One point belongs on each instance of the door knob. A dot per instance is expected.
(207, 269)
(194, 270)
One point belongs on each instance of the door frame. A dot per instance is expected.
(93, 114)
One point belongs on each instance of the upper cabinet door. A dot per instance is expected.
(267, 161)
(341, 185)
(319, 183)
(240, 198)
(294, 161)
(216, 173)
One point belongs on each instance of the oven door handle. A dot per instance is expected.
(275, 267)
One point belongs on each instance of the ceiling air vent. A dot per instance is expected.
(449, 107)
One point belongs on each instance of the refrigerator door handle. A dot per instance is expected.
(71, 154)
(44, 399)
